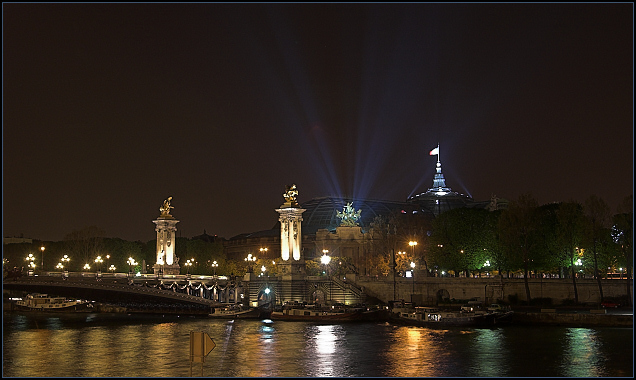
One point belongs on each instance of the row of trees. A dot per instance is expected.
(564, 239)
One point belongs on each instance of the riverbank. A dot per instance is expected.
(574, 317)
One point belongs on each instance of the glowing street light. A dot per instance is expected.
(215, 265)
(112, 268)
(131, 263)
(263, 251)
(325, 260)
(99, 262)
(263, 269)
(42, 249)
(413, 244)
(87, 267)
(250, 259)
(413, 278)
(188, 264)
(59, 266)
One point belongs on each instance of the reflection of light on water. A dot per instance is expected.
(325, 340)
(414, 352)
(490, 357)
(581, 353)
(267, 333)
(326, 343)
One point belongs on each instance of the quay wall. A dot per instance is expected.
(574, 319)
(427, 291)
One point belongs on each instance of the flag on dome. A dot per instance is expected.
(434, 152)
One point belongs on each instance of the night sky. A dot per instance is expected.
(108, 109)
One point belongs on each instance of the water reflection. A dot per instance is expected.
(490, 353)
(415, 352)
(582, 357)
(326, 346)
(159, 347)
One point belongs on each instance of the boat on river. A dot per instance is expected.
(44, 302)
(239, 311)
(432, 317)
(311, 313)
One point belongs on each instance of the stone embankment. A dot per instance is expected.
(577, 318)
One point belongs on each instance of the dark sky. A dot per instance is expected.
(108, 109)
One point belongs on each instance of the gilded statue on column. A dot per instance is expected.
(290, 195)
(165, 208)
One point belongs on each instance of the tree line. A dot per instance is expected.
(565, 240)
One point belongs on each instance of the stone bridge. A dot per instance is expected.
(136, 294)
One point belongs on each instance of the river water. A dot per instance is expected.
(119, 345)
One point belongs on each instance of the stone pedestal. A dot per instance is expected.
(173, 269)
(291, 268)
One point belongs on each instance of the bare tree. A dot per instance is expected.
(570, 230)
(623, 236)
(518, 229)
(85, 243)
(597, 213)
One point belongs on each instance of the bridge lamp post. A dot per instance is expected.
(87, 267)
(60, 266)
(30, 259)
(65, 259)
(215, 265)
(42, 249)
(112, 268)
(131, 262)
(99, 262)
(263, 251)
(188, 264)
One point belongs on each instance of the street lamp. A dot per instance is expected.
(250, 259)
(325, 260)
(215, 265)
(87, 267)
(131, 262)
(413, 278)
(188, 264)
(413, 244)
(99, 262)
(112, 268)
(42, 249)
(263, 269)
(263, 251)
(59, 266)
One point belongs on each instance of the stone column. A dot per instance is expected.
(166, 230)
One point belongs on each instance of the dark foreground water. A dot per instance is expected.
(102, 345)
